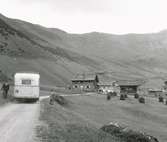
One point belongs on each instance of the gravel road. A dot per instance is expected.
(18, 122)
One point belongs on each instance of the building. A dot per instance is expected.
(104, 87)
(152, 87)
(106, 84)
(164, 86)
(85, 83)
(154, 92)
(129, 86)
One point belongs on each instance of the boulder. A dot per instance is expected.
(127, 135)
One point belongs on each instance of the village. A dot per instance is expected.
(128, 109)
(106, 85)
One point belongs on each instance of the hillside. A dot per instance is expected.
(58, 55)
(80, 119)
(22, 49)
(130, 114)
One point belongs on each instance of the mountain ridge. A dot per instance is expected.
(59, 55)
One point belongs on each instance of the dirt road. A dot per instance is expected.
(18, 121)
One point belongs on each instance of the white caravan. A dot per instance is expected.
(26, 86)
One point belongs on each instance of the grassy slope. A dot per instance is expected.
(26, 47)
(127, 56)
(111, 51)
(59, 55)
(96, 111)
(64, 125)
(150, 118)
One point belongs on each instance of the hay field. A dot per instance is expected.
(86, 114)
(150, 117)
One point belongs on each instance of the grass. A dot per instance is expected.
(92, 112)
(60, 90)
(150, 117)
(63, 125)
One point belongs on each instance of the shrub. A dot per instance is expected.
(125, 95)
(122, 97)
(142, 100)
(114, 94)
(59, 99)
(136, 96)
(111, 94)
(51, 101)
(165, 102)
(108, 96)
(161, 99)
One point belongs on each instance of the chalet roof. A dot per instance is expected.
(84, 77)
(130, 82)
(105, 80)
(155, 90)
(154, 84)
(105, 83)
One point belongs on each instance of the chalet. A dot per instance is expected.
(155, 92)
(152, 87)
(105, 84)
(129, 86)
(85, 82)
(164, 86)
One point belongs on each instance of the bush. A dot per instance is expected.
(136, 96)
(111, 94)
(161, 99)
(126, 96)
(59, 99)
(165, 102)
(114, 94)
(51, 101)
(122, 97)
(108, 96)
(142, 100)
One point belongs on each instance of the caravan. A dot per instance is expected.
(26, 86)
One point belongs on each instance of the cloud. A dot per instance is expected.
(72, 5)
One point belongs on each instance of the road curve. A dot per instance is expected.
(18, 122)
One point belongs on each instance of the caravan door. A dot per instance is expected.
(26, 89)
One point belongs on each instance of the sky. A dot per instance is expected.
(83, 16)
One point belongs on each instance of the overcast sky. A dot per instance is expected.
(81, 16)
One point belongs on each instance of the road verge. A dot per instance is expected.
(58, 123)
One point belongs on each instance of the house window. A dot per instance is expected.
(88, 87)
(75, 86)
(26, 82)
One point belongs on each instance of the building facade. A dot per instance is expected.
(129, 86)
(85, 83)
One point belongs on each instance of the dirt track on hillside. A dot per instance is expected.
(18, 121)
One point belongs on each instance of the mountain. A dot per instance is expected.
(58, 55)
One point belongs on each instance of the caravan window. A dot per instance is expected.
(26, 82)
